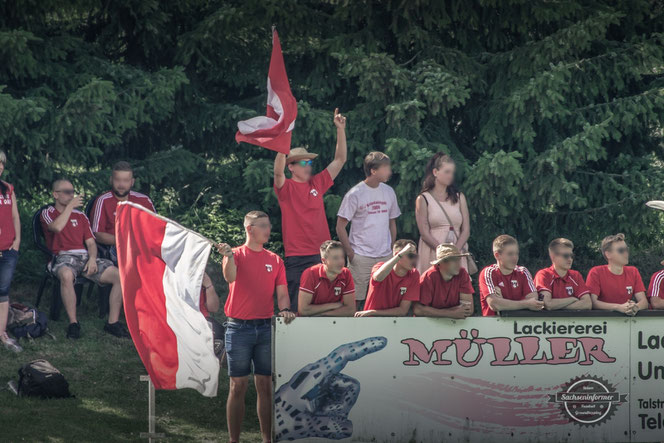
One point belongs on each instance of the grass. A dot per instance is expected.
(111, 402)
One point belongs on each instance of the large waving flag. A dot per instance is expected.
(273, 131)
(161, 271)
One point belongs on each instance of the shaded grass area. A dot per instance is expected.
(111, 402)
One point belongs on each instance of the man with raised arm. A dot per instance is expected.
(303, 220)
(560, 286)
(506, 286)
(254, 275)
(395, 284)
(327, 289)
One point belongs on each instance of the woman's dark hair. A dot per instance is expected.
(4, 189)
(436, 162)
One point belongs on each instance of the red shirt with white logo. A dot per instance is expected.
(103, 210)
(441, 294)
(7, 232)
(514, 286)
(611, 288)
(315, 282)
(571, 285)
(390, 292)
(655, 288)
(72, 237)
(303, 219)
(251, 295)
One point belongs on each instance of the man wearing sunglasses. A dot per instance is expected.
(559, 286)
(616, 286)
(395, 284)
(506, 286)
(69, 236)
(303, 220)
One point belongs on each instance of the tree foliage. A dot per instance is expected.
(552, 110)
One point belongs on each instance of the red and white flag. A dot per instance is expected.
(161, 271)
(273, 131)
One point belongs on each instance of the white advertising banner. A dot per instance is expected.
(479, 379)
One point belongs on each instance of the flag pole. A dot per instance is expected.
(151, 434)
(167, 220)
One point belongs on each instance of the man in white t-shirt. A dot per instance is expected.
(371, 208)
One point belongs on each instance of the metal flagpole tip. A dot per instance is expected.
(656, 204)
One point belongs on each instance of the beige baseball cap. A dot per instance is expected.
(297, 154)
(447, 250)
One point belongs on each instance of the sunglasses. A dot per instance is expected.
(566, 256)
(67, 191)
(305, 162)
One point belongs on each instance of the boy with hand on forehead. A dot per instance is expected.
(445, 288)
(560, 286)
(327, 289)
(506, 286)
(395, 284)
(614, 286)
(303, 220)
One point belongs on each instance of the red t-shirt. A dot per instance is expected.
(390, 292)
(103, 210)
(571, 285)
(72, 237)
(514, 286)
(204, 309)
(314, 281)
(303, 219)
(656, 287)
(441, 294)
(611, 288)
(7, 232)
(251, 295)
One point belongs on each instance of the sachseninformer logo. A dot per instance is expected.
(588, 400)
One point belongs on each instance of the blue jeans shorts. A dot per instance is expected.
(8, 259)
(248, 345)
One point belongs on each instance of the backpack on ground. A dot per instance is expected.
(39, 378)
(24, 321)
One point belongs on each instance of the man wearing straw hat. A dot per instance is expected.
(303, 220)
(445, 288)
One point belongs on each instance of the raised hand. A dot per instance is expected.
(316, 401)
(408, 248)
(224, 249)
(339, 120)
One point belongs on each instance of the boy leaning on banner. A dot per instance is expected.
(506, 286)
(254, 274)
(656, 289)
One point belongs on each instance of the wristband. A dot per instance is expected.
(285, 310)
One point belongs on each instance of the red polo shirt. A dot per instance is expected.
(390, 292)
(72, 237)
(315, 282)
(303, 219)
(611, 288)
(103, 210)
(656, 288)
(441, 294)
(7, 232)
(571, 285)
(514, 286)
(251, 295)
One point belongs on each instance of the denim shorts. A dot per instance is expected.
(8, 259)
(247, 346)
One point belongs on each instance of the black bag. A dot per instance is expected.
(40, 379)
(26, 322)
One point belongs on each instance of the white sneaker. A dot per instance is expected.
(10, 343)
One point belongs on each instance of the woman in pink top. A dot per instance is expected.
(438, 189)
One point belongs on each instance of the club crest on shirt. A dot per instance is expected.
(74, 222)
(501, 284)
(402, 290)
(570, 290)
(337, 291)
(314, 192)
(268, 267)
(629, 290)
(515, 283)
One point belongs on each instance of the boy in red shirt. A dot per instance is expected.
(253, 274)
(103, 210)
(445, 288)
(70, 239)
(656, 289)
(303, 220)
(614, 286)
(327, 289)
(395, 284)
(559, 285)
(506, 286)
